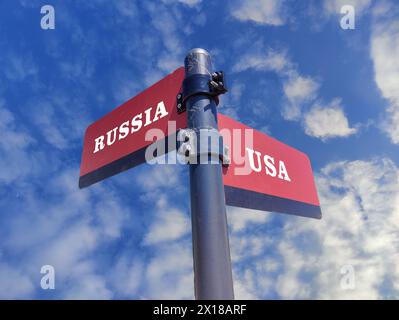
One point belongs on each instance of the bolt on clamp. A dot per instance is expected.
(205, 144)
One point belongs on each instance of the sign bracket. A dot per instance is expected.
(192, 147)
(212, 87)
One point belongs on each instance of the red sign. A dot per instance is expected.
(266, 174)
(117, 142)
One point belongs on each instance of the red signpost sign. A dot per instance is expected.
(116, 142)
(266, 174)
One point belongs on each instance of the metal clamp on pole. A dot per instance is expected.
(202, 146)
(201, 84)
(212, 264)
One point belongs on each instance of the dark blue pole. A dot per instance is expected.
(211, 252)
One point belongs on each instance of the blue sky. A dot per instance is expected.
(293, 73)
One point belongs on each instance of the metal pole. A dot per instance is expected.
(211, 252)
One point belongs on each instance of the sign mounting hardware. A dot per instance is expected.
(216, 86)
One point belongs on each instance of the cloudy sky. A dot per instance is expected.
(293, 73)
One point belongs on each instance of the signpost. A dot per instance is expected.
(262, 173)
(212, 264)
(271, 176)
(116, 142)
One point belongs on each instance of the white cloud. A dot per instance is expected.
(14, 284)
(334, 6)
(240, 218)
(169, 224)
(242, 292)
(230, 104)
(359, 228)
(161, 176)
(125, 85)
(298, 90)
(73, 244)
(78, 69)
(126, 8)
(16, 160)
(111, 218)
(169, 274)
(384, 52)
(248, 246)
(89, 286)
(266, 12)
(17, 67)
(168, 25)
(326, 122)
(190, 3)
(61, 226)
(45, 115)
(286, 285)
(263, 60)
(46, 122)
(237, 90)
(127, 275)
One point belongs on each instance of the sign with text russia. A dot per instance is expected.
(265, 174)
(118, 141)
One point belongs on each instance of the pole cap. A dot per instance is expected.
(198, 61)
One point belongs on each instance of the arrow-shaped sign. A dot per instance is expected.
(117, 141)
(266, 174)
